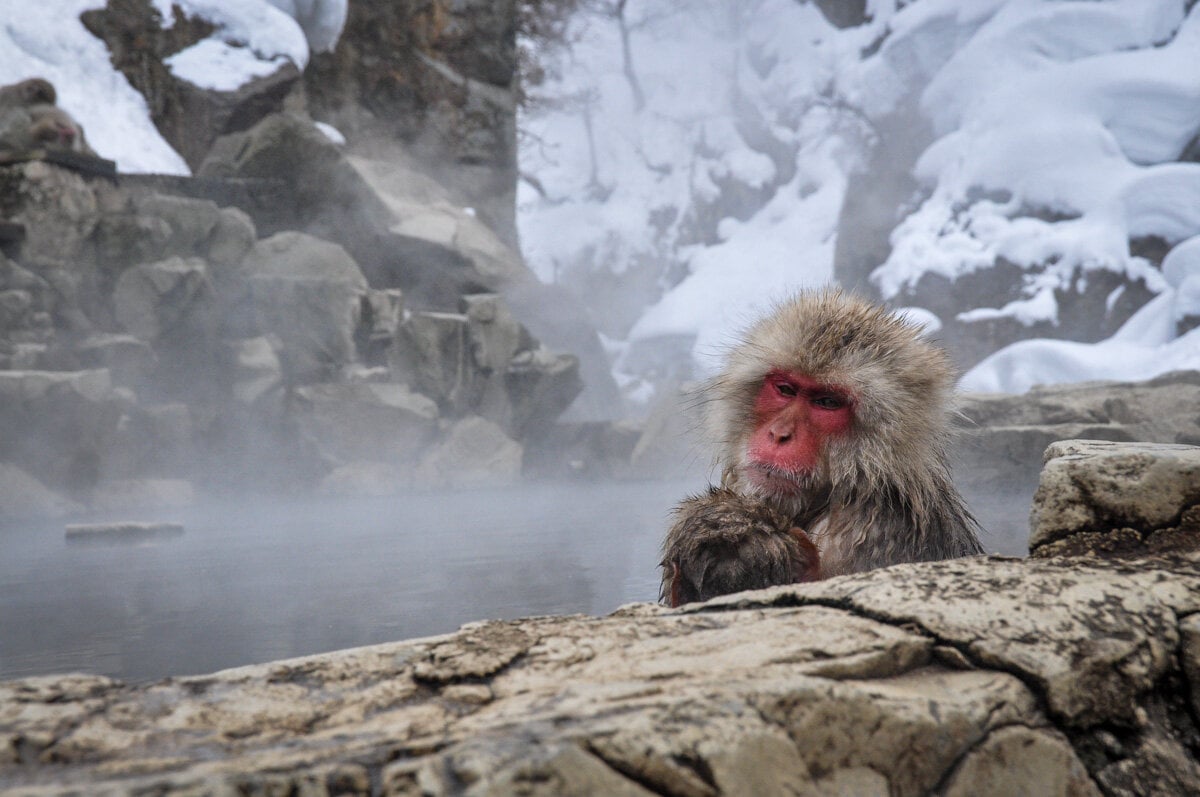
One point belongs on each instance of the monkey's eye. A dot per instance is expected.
(786, 390)
(829, 402)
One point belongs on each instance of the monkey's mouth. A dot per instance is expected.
(776, 481)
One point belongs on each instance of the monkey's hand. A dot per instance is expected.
(724, 542)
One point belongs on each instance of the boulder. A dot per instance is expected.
(60, 424)
(58, 208)
(998, 454)
(255, 370)
(1098, 496)
(368, 422)
(191, 221)
(23, 496)
(474, 452)
(365, 480)
(541, 384)
(431, 353)
(188, 116)
(163, 299)
(308, 294)
(128, 359)
(231, 239)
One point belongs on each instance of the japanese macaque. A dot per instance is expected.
(34, 91)
(831, 419)
(30, 121)
(41, 127)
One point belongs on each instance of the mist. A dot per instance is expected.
(253, 582)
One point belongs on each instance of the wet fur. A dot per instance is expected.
(883, 493)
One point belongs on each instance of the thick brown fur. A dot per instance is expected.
(723, 542)
(32, 91)
(882, 493)
(40, 127)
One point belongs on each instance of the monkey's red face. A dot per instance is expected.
(795, 416)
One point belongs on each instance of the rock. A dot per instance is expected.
(365, 480)
(188, 116)
(232, 237)
(128, 359)
(672, 440)
(1102, 496)
(382, 313)
(437, 86)
(1065, 681)
(998, 454)
(60, 424)
(255, 369)
(126, 494)
(322, 192)
(424, 218)
(475, 452)
(1022, 761)
(154, 300)
(191, 221)
(308, 294)
(431, 353)
(541, 384)
(596, 450)
(57, 207)
(127, 532)
(23, 496)
(367, 421)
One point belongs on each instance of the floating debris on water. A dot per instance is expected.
(121, 532)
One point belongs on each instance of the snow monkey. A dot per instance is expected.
(29, 120)
(831, 420)
(33, 91)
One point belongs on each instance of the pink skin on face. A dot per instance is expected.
(794, 418)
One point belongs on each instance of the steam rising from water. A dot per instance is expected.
(258, 582)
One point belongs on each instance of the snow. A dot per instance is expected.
(321, 20)
(51, 42)
(1144, 347)
(1072, 108)
(253, 38)
(1057, 128)
(215, 64)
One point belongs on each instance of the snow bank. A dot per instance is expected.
(252, 38)
(49, 41)
(1145, 347)
(1064, 117)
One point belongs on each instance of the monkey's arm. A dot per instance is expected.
(723, 542)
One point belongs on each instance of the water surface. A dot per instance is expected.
(256, 582)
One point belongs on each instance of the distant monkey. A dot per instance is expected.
(30, 120)
(831, 418)
(34, 91)
(41, 127)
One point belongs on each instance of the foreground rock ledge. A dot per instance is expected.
(983, 676)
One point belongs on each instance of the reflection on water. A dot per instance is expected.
(260, 582)
(255, 583)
